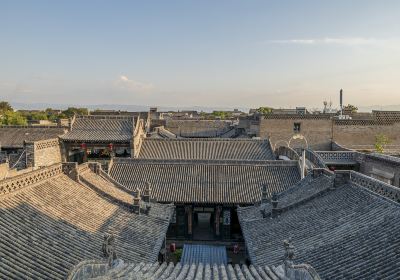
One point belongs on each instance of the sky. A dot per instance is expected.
(232, 53)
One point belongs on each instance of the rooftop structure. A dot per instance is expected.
(206, 181)
(200, 128)
(348, 230)
(101, 129)
(14, 136)
(98, 270)
(50, 223)
(206, 149)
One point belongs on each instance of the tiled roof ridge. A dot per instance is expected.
(306, 199)
(98, 269)
(47, 229)
(217, 139)
(206, 162)
(292, 201)
(378, 188)
(30, 126)
(105, 117)
(124, 198)
(387, 158)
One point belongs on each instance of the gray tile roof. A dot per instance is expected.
(206, 181)
(101, 129)
(197, 253)
(345, 233)
(49, 225)
(305, 189)
(206, 149)
(14, 136)
(96, 269)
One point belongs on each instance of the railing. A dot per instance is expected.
(18, 182)
(315, 159)
(337, 156)
(379, 187)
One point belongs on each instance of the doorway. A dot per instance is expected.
(203, 226)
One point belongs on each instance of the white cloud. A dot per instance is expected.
(349, 41)
(124, 82)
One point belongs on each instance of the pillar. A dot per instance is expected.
(189, 213)
(217, 220)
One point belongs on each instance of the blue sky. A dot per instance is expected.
(208, 53)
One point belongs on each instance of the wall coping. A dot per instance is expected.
(206, 162)
(30, 178)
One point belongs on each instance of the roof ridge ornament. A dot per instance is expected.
(289, 255)
(274, 202)
(108, 249)
(264, 192)
(136, 201)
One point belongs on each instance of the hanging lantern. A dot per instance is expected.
(110, 146)
(83, 146)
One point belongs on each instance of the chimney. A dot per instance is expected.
(264, 196)
(136, 202)
(147, 193)
(341, 101)
(274, 202)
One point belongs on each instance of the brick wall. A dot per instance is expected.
(363, 136)
(43, 153)
(198, 128)
(318, 132)
(321, 132)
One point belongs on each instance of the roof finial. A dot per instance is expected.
(264, 192)
(289, 249)
(274, 202)
(136, 201)
(147, 192)
(108, 249)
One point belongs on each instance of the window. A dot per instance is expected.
(296, 128)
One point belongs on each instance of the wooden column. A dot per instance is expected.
(85, 154)
(218, 210)
(189, 213)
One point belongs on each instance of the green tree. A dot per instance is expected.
(5, 106)
(13, 118)
(78, 111)
(380, 141)
(221, 115)
(38, 116)
(265, 110)
(351, 108)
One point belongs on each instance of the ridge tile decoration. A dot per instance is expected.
(379, 187)
(53, 223)
(347, 232)
(97, 270)
(337, 156)
(26, 179)
(206, 149)
(199, 181)
(101, 129)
